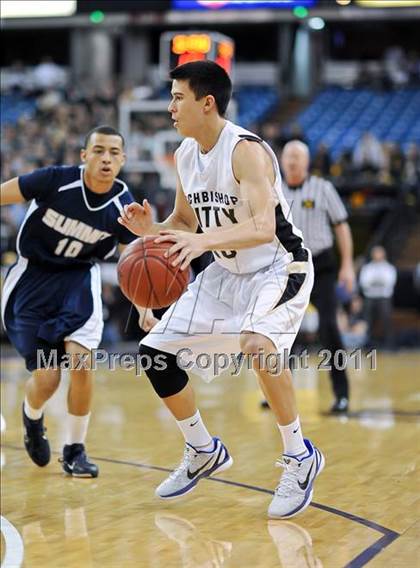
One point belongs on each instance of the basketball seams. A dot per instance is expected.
(149, 278)
(181, 285)
(156, 304)
(133, 293)
(136, 268)
(175, 273)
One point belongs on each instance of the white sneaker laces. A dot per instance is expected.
(185, 462)
(287, 482)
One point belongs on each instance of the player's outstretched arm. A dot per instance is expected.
(10, 192)
(138, 218)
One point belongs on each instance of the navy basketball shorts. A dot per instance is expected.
(42, 309)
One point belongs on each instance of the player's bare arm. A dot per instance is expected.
(138, 219)
(10, 192)
(253, 169)
(146, 318)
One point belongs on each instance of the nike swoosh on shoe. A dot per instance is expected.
(304, 485)
(192, 474)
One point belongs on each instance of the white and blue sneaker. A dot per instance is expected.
(195, 465)
(295, 490)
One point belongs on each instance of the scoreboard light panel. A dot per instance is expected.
(181, 47)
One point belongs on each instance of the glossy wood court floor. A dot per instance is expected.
(365, 509)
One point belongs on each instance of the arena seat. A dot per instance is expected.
(338, 117)
(15, 106)
(254, 103)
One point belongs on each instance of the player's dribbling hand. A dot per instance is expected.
(187, 245)
(147, 320)
(137, 218)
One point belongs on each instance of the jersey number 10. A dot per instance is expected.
(68, 249)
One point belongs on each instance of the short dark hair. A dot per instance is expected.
(104, 129)
(206, 78)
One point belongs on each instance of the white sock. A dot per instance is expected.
(77, 427)
(195, 433)
(293, 444)
(32, 413)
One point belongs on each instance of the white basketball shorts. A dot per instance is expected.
(219, 305)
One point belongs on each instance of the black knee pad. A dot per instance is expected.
(162, 371)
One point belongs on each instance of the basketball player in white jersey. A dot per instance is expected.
(251, 299)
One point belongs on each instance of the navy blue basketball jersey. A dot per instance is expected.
(67, 224)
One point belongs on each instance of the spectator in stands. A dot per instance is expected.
(377, 281)
(57, 129)
(396, 163)
(321, 162)
(353, 325)
(48, 75)
(49, 100)
(15, 80)
(343, 167)
(368, 155)
(396, 67)
(391, 173)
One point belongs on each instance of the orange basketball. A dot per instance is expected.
(147, 278)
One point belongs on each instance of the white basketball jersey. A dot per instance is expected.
(216, 198)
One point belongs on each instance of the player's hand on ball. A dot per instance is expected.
(137, 218)
(147, 320)
(187, 245)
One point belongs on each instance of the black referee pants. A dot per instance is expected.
(324, 298)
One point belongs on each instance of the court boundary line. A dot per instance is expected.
(387, 538)
(13, 543)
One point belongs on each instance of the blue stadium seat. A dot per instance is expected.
(12, 107)
(339, 117)
(255, 103)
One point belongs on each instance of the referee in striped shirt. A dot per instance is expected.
(319, 213)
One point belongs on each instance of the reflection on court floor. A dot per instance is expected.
(116, 521)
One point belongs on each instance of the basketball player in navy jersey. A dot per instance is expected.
(51, 304)
(251, 299)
